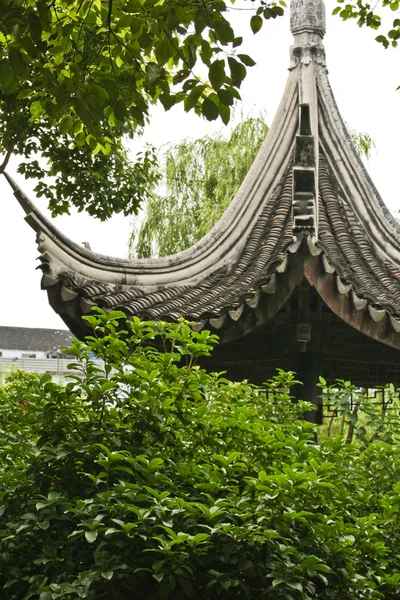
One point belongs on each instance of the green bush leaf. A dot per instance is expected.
(91, 536)
(107, 575)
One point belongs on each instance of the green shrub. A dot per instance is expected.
(147, 478)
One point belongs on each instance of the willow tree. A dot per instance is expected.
(200, 178)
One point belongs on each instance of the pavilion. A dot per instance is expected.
(302, 271)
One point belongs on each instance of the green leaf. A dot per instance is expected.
(91, 141)
(6, 73)
(155, 463)
(225, 113)
(216, 74)
(200, 537)
(223, 31)
(153, 72)
(382, 40)
(17, 62)
(181, 76)
(206, 52)
(65, 125)
(132, 6)
(168, 101)
(164, 51)
(107, 575)
(226, 97)
(246, 60)
(36, 109)
(91, 536)
(28, 45)
(256, 23)
(51, 109)
(106, 386)
(35, 27)
(296, 585)
(101, 94)
(136, 26)
(310, 561)
(186, 586)
(191, 55)
(209, 109)
(44, 16)
(193, 97)
(238, 71)
(167, 585)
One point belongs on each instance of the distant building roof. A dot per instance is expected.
(32, 338)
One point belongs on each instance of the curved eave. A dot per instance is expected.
(223, 294)
(221, 247)
(238, 317)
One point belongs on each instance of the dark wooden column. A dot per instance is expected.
(308, 372)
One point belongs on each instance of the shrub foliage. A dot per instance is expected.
(149, 478)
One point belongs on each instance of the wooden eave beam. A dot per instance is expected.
(343, 307)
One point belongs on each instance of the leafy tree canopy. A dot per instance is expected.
(367, 15)
(146, 477)
(76, 76)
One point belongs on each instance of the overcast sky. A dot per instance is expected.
(364, 78)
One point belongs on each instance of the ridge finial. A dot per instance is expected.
(307, 17)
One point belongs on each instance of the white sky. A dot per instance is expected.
(364, 77)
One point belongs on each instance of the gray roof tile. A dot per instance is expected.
(33, 339)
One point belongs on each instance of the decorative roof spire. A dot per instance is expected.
(307, 17)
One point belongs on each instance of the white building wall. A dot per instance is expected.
(57, 368)
(19, 353)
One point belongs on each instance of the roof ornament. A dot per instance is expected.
(307, 23)
(307, 19)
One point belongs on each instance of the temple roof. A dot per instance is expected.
(307, 208)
